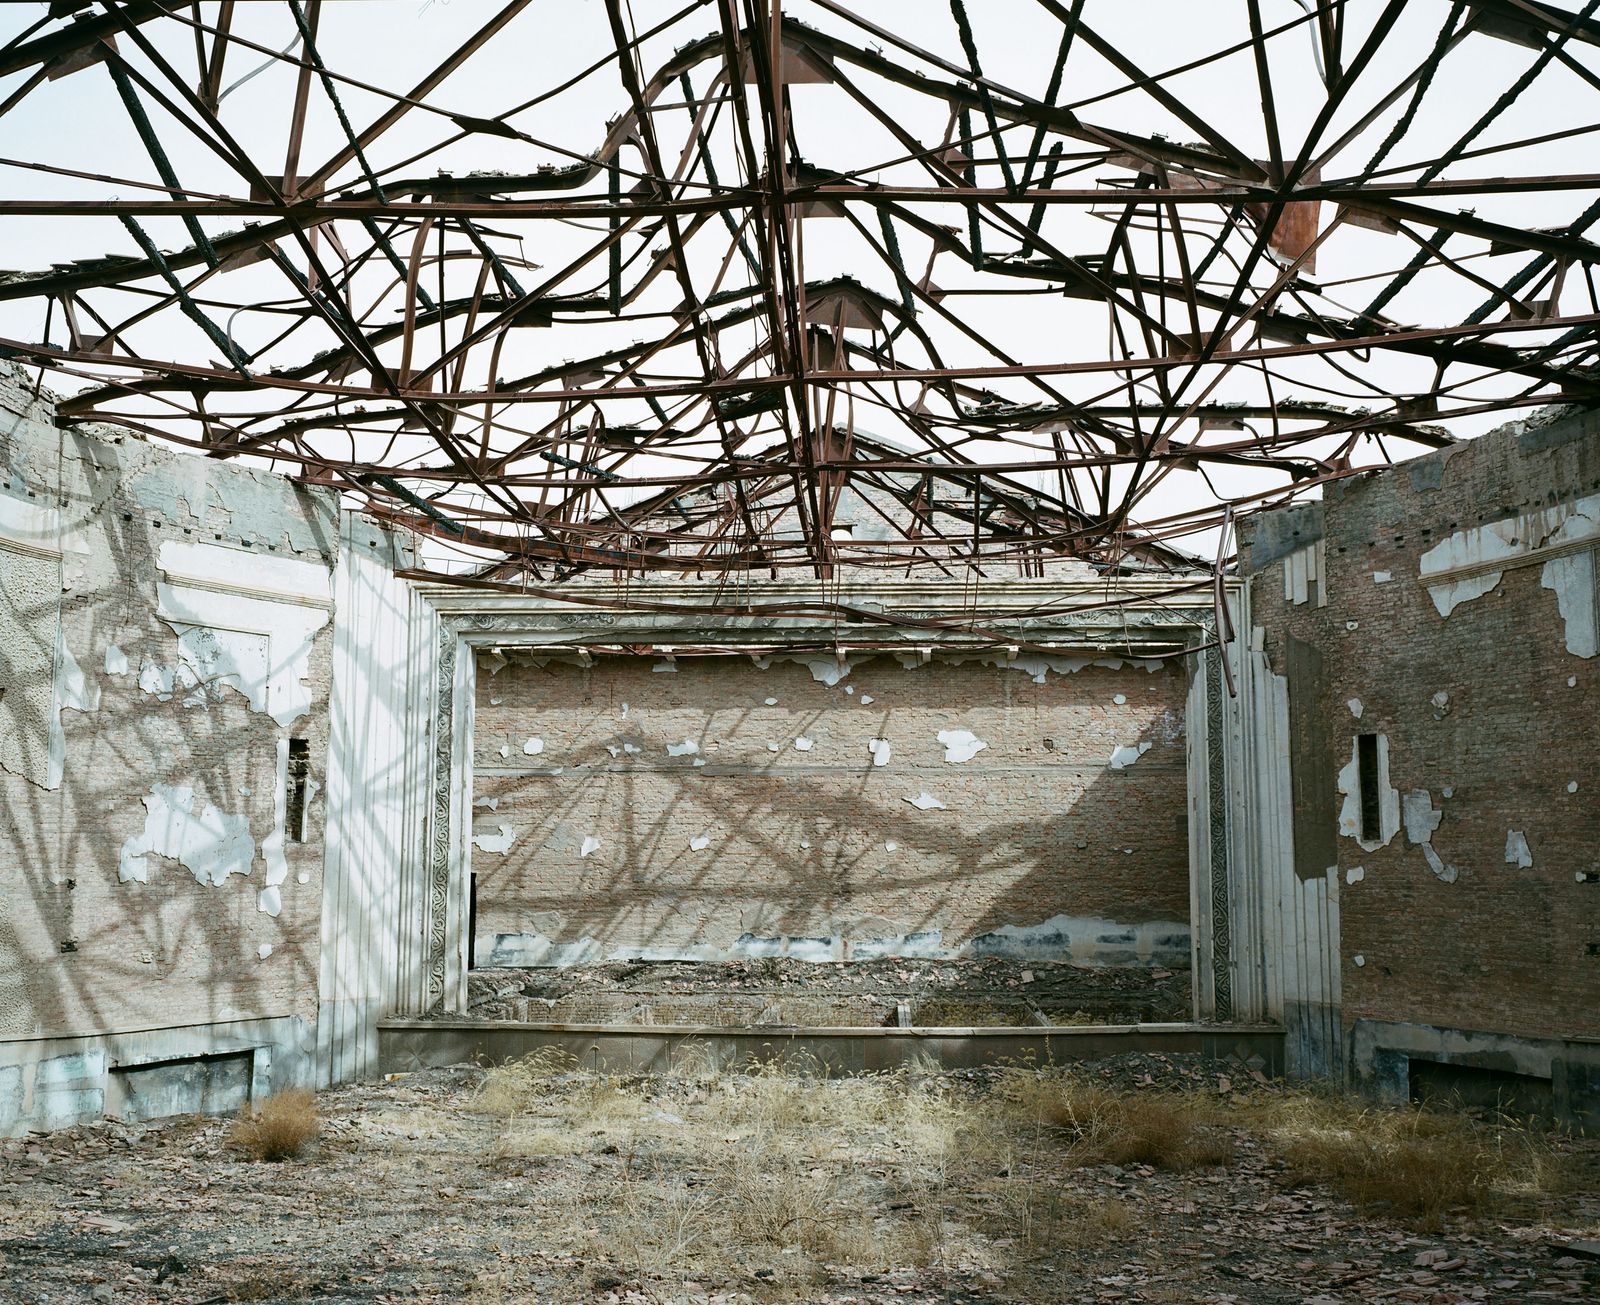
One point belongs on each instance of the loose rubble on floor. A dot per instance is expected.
(539, 1183)
(987, 990)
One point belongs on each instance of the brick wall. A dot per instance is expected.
(1473, 942)
(81, 950)
(819, 846)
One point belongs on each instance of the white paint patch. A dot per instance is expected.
(1355, 707)
(211, 843)
(698, 761)
(774, 747)
(1572, 786)
(302, 878)
(269, 901)
(1420, 817)
(1355, 874)
(1388, 798)
(158, 681)
(116, 660)
(505, 749)
(960, 745)
(613, 749)
(867, 700)
(264, 951)
(880, 750)
(665, 668)
(1381, 577)
(533, 747)
(1038, 667)
(805, 844)
(34, 525)
(700, 842)
(1517, 851)
(246, 620)
(624, 711)
(891, 846)
(1440, 700)
(591, 845)
(500, 841)
(1358, 960)
(1121, 699)
(1572, 681)
(925, 801)
(1352, 625)
(772, 702)
(1571, 576)
(803, 744)
(1572, 579)
(827, 670)
(1089, 940)
(687, 748)
(1123, 757)
(849, 690)
(632, 749)
(1447, 873)
(239, 658)
(72, 690)
(490, 802)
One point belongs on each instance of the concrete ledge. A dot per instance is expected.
(405, 1045)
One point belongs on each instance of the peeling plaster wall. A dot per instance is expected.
(899, 808)
(1479, 907)
(164, 630)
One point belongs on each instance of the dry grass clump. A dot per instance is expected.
(1168, 1130)
(778, 1171)
(525, 1143)
(520, 1085)
(280, 1128)
(1043, 1217)
(780, 1205)
(1410, 1161)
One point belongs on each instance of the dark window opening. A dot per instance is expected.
(295, 784)
(1367, 774)
(472, 921)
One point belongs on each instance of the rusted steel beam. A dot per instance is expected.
(727, 436)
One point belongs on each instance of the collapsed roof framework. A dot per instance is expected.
(364, 326)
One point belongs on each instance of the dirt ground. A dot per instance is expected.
(1140, 1179)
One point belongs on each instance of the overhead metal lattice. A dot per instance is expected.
(637, 286)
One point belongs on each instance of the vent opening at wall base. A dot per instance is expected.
(1454, 1086)
(190, 1085)
(1367, 780)
(296, 781)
